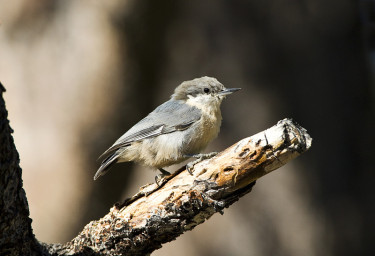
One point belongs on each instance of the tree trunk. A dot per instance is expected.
(16, 236)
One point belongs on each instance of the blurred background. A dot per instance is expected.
(78, 74)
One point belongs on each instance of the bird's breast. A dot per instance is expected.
(203, 132)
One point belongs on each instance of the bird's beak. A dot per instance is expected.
(228, 91)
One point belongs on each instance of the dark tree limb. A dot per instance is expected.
(16, 236)
(155, 215)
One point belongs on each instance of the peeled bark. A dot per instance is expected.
(158, 215)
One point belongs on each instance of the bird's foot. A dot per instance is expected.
(159, 179)
(200, 157)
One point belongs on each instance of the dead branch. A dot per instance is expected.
(158, 215)
(155, 215)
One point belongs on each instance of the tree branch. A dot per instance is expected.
(158, 215)
(155, 215)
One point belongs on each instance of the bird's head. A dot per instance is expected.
(202, 92)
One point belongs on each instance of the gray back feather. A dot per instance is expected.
(171, 116)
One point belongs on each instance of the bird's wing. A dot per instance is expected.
(169, 117)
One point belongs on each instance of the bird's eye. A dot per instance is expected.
(206, 90)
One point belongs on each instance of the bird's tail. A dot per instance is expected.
(106, 164)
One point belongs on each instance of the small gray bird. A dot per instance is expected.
(176, 130)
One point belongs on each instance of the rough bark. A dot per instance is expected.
(157, 214)
(16, 236)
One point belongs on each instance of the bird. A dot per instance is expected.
(178, 129)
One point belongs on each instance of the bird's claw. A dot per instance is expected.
(160, 178)
(190, 167)
(200, 157)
